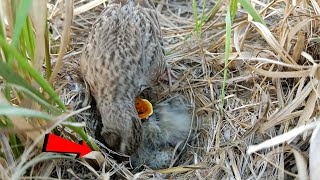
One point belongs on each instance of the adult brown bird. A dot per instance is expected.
(122, 56)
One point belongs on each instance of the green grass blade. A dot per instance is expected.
(80, 131)
(8, 110)
(48, 62)
(2, 31)
(41, 100)
(22, 46)
(203, 20)
(210, 12)
(14, 146)
(23, 62)
(7, 90)
(249, 8)
(13, 78)
(195, 13)
(21, 16)
(202, 14)
(227, 51)
(3, 36)
(6, 123)
(233, 8)
(29, 38)
(20, 19)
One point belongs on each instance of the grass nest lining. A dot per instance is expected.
(271, 91)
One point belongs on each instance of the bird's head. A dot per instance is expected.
(122, 129)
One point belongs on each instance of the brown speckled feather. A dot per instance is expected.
(122, 56)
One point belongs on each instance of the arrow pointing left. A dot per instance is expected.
(54, 143)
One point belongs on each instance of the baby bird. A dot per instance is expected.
(123, 55)
(169, 125)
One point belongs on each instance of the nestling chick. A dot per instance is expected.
(169, 125)
(122, 56)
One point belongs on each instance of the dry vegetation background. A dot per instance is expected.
(271, 92)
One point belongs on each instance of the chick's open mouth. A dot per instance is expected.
(144, 108)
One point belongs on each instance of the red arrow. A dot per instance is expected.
(54, 143)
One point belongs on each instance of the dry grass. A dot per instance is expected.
(272, 93)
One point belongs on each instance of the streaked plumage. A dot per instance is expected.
(122, 56)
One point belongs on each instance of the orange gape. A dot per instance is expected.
(144, 108)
